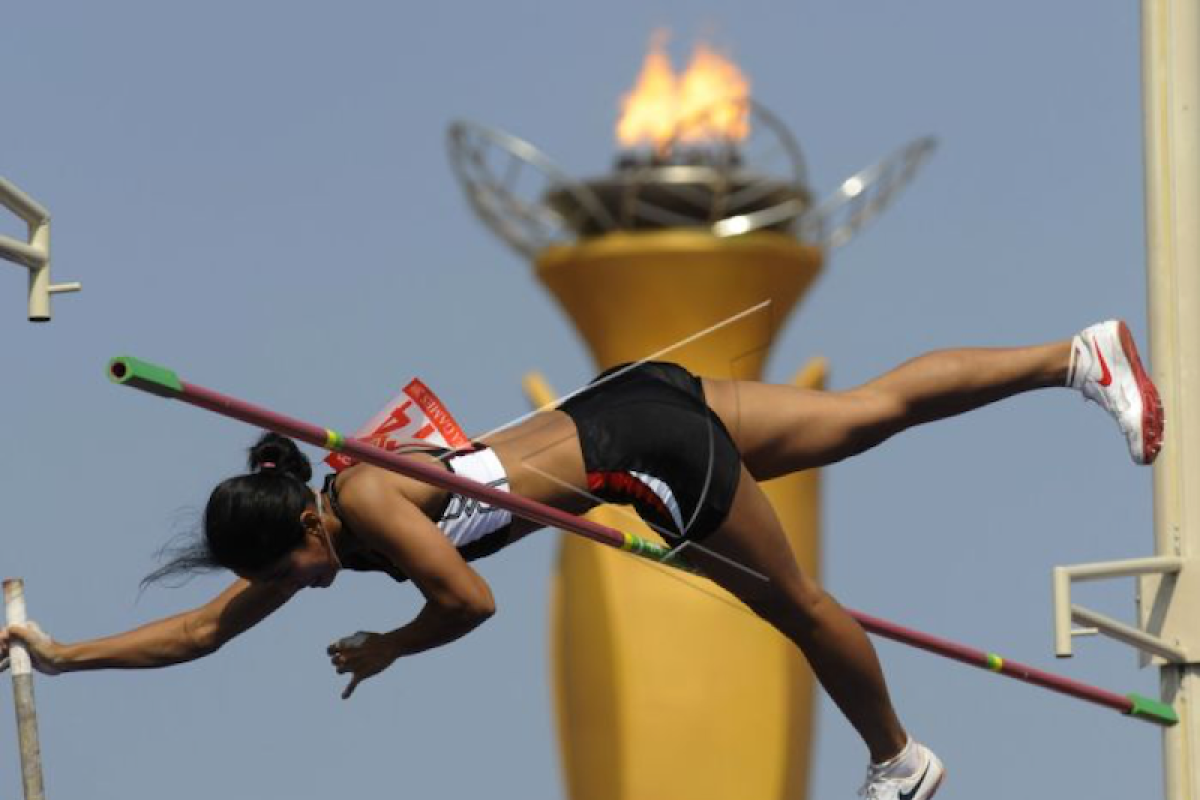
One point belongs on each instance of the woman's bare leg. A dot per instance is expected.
(761, 571)
(782, 429)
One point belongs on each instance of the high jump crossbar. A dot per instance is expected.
(157, 380)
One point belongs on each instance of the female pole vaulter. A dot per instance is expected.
(685, 452)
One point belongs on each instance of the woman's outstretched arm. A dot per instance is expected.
(457, 597)
(162, 643)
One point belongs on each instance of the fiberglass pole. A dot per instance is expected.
(22, 681)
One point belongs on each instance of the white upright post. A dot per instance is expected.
(1171, 109)
(22, 678)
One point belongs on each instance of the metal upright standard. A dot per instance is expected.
(22, 680)
(165, 383)
(1169, 605)
(1168, 594)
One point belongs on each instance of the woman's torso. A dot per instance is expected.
(652, 442)
(542, 461)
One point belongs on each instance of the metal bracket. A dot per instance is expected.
(33, 254)
(1065, 613)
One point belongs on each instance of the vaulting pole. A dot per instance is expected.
(163, 382)
(22, 681)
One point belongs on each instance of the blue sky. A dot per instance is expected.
(258, 195)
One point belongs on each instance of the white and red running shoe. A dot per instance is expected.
(1106, 368)
(920, 783)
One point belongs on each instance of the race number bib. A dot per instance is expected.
(416, 419)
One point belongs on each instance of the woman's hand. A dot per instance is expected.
(362, 655)
(46, 654)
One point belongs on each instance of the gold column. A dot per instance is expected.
(665, 686)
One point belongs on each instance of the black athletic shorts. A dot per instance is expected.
(650, 440)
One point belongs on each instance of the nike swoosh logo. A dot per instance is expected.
(1105, 373)
(912, 792)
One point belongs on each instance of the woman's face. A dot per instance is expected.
(309, 565)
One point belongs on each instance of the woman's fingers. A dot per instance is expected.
(30, 634)
(345, 643)
(361, 656)
(40, 646)
(359, 672)
(4, 639)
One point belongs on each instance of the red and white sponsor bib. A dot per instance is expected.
(415, 419)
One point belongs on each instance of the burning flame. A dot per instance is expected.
(707, 102)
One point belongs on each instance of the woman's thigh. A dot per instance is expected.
(749, 556)
(783, 429)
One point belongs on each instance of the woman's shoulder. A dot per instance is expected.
(364, 490)
(362, 481)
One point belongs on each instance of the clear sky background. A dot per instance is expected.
(257, 194)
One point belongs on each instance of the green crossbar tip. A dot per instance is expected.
(130, 371)
(1152, 710)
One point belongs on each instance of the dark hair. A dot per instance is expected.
(251, 520)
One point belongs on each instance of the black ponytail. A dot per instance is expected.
(251, 520)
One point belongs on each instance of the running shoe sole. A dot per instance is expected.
(937, 784)
(1152, 410)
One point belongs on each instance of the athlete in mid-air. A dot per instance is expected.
(686, 452)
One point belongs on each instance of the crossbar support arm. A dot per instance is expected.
(1065, 612)
(34, 254)
(1134, 637)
